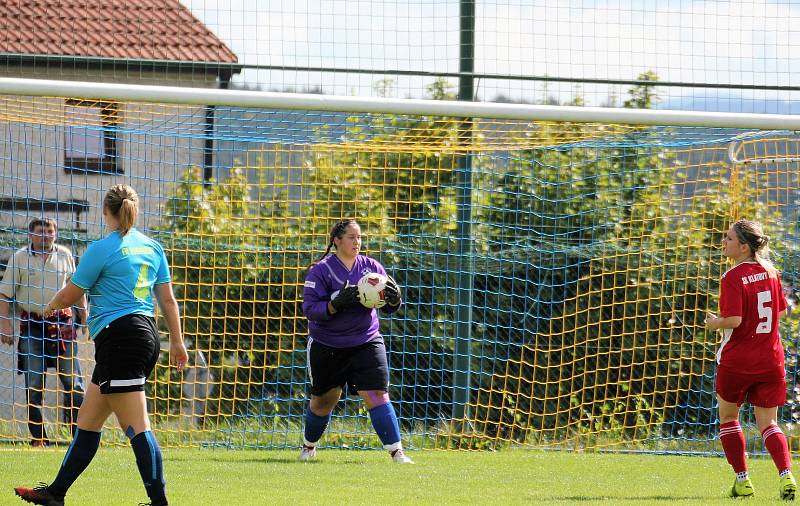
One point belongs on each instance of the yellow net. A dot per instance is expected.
(556, 275)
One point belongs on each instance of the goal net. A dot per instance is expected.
(556, 275)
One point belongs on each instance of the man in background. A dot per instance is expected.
(33, 275)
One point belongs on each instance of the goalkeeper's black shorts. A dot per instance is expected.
(126, 351)
(359, 368)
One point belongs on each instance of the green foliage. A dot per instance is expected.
(219, 247)
(591, 273)
(441, 89)
(643, 96)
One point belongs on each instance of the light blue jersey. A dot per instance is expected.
(118, 273)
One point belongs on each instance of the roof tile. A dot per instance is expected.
(127, 29)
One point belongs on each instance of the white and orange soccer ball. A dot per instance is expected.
(370, 290)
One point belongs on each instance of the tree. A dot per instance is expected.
(643, 96)
(441, 89)
(606, 260)
(220, 248)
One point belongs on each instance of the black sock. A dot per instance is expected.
(148, 458)
(79, 455)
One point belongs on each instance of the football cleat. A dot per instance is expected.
(400, 458)
(39, 495)
(160, 503)
(308, 453)
(742, 488)
(788, 487)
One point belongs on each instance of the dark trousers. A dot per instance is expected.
(37, 353)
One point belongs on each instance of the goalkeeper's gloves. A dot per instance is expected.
(391, 293)
(347, 297)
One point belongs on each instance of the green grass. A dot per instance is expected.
(252, 477)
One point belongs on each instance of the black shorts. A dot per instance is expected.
(126, 351)
(361, 368)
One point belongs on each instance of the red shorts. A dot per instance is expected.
(763, 391)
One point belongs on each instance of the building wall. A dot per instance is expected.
(156, 145)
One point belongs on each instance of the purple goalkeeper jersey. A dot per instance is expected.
(347, 328)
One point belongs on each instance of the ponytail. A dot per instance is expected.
(122, 202)
(750, 233)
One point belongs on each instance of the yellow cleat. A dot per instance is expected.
(742, 489)
(788, 487)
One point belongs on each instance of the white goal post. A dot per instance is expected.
(315, 102)
(736, 148)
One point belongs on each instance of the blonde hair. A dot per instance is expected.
(750, 233)
(123, 203)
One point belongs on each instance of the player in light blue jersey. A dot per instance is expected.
(121, 273)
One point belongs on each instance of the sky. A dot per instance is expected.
(743, 42)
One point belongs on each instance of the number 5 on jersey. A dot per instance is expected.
(764, 312)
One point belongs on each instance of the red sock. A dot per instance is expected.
(776, 445)
(732, 439)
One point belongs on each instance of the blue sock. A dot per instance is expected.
(148, 458)
(315, 425)
(384, 420)
(79, 455)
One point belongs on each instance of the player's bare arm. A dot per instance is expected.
(718, 323)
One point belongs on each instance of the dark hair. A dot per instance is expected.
(41, 222)
(750, 233)
(123, 203)
(336, 233)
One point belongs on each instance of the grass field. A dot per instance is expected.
(251, 477)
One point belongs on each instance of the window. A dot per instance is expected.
(90, 137)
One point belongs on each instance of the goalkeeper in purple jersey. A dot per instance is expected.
(345, 346)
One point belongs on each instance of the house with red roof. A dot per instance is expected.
(141, 41)
(80, 148)
(58, 156)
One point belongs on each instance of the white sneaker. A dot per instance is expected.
(400, 458)
(308, 453)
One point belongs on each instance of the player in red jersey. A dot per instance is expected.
(750, 359)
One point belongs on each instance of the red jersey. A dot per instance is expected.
(754, 347)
